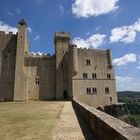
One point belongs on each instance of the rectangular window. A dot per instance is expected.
(94, 90)
(85, 76)
(88, 90)
(107, 90)
(88, 62)
(108, 76)
(36, 81)
(94, 76)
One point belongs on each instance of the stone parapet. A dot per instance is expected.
(104, 126)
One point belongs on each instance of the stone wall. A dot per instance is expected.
(8, 43)
(42, 68)
(104, 126)
(100, 63)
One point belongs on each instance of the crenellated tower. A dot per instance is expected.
(61, 49)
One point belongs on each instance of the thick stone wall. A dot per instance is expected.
(42, 68)
(8, 43)
(104, 126)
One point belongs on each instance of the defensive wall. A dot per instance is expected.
(104, 126)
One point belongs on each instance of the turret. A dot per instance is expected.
(109, 58)
(20, 89)
(74, 59)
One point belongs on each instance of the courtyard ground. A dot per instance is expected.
(41, 121)
(26, 121)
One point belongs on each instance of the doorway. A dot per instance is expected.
(65, 95)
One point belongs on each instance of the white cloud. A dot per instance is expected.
(10, 13)
(126, 34)
(37, 37)
(98, 28)
(7, 28)
(93, 41)
(125, 79)
(124, 83)
(29, 29)
(61, 8)
(128, 58)
(88, 8)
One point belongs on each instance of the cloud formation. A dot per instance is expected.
(125, 79)
(128, 58)
(125, 34)
(10, 13)
(29, 29)
(7, 28)
(37, 37)
(88, 8)
(94, 41)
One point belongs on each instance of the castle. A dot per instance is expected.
(86, 74)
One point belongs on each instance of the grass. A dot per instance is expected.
(137, 117)
(26, 121)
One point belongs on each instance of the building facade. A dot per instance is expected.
(86, 74)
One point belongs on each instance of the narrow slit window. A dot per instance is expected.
(36, 81)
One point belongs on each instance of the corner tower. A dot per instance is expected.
(61, 48)
(20, 89)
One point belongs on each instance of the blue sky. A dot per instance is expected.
(113, 24)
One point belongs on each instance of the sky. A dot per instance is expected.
(100, 24)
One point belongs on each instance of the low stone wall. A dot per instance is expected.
(104, 126)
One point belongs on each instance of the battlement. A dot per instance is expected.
(35, 60)
(39, 54)
(6, 33)
(61, 35)
(90, 51)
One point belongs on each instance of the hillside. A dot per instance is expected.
(130, 94)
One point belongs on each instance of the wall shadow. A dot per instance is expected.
(7, 72)
(88, 134)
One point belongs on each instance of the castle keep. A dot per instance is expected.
(86, 74)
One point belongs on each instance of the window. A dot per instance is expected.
(36, 81)
(85, 75)
(94, 90)
(88, 90)
(94, 76)
(108, 76)
(107, 90)
(111, 99)
(87, 62)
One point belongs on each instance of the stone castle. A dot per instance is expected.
(86, 74)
